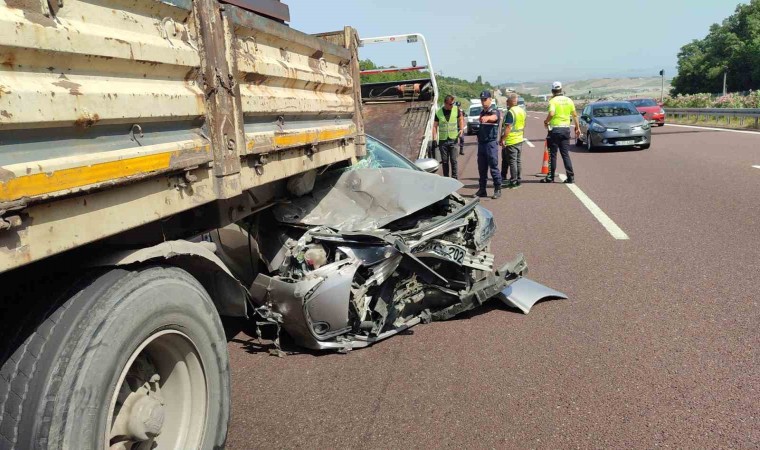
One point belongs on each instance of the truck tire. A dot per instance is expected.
(129, 356)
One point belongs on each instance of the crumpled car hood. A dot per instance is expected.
(364, 199)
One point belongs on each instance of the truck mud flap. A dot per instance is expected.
(524, 293)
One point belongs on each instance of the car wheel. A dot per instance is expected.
(589, 146)
(661, 124)
(645, 146)
(578, 141)
(129, 358)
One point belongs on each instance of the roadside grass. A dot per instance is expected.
(717, 122)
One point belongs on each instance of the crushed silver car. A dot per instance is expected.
(369, 252)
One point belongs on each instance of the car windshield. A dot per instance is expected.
(614, 110)
(643, 102)
(475, 111)
(381, 156)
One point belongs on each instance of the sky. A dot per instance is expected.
(526, 41)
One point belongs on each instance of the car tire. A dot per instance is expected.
(589, 145)
(661, 124)
(578, 141)
(645, 146)
(61, 386)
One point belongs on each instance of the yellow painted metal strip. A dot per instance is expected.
(76, 177)
(310, 137)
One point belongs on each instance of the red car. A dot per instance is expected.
(650, 109)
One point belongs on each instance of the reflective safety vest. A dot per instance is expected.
(563, 109)
(515, 135)
(448, 129)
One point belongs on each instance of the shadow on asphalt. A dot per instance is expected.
(530, 180)
(605, 150)
(265, 345)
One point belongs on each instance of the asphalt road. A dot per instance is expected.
(658, 345)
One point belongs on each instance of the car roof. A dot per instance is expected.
(607, 102)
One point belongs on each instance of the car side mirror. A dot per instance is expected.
(429, 165)
(585, 118)
(643, 113)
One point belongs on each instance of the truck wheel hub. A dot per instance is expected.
(146, 418)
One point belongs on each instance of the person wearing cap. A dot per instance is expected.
(448, 126)
(461, 129)
(488, 146)
(511, 142)
(561, 112)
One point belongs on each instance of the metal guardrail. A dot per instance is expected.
(736, 114)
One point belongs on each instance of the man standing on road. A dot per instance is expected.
(461, 129)
(448, 126)
(561, 110)
(488, 146)
(511, 143)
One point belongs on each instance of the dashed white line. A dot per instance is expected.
(727, 130)
(596, 211)
(756, 167)
(530, 144)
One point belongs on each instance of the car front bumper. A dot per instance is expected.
(655, 118)
(616, 139)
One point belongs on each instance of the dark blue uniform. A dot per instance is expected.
(488, 151)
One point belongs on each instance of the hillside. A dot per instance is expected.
(599, 87)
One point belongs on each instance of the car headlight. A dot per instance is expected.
(643, 127)
(485, 229)
(598, 128)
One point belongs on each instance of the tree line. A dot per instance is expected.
(731, 48)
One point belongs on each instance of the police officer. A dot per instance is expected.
(461, 129)
(511, 142)
(561, 110)
(448, 127)
(488, 146)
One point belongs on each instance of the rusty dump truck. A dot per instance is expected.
(127, 127)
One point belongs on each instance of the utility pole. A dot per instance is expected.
(662, 85)
(725, 71)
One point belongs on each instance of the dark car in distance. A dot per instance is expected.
(613, 124)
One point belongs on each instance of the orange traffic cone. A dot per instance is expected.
(545, 164)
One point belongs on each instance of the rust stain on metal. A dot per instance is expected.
(86, 121)
(194, 157)
(9, 60)
(123, 42)
(71, 86)
(256, 78)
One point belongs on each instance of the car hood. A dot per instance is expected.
(620, 121)
(648, 109)
(363, 199)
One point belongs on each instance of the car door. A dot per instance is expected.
(585, 120)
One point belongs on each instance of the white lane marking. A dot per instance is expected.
(756, 167)
(530, 144)
(596, 211)
(713, 129)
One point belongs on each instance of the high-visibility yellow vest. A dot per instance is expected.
(563, 109)
(448, 129)
(515, 135)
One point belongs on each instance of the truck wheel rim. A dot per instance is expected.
(160, 400)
